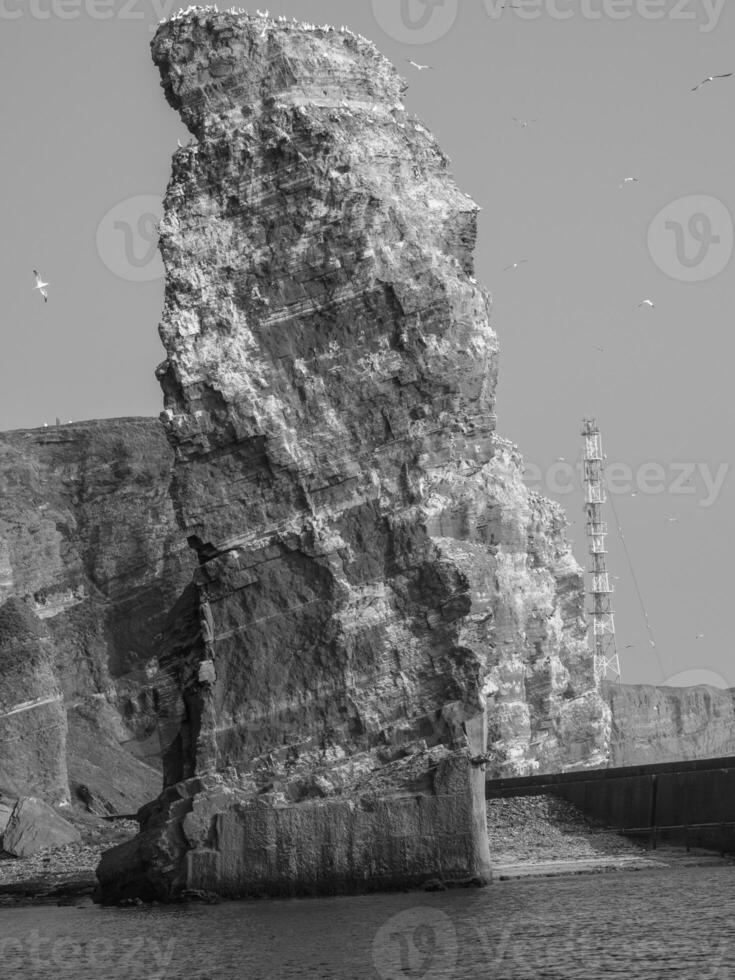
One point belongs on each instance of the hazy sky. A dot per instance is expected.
(85, 157)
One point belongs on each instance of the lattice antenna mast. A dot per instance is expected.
(607, 664)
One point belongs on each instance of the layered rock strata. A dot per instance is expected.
(91, 558)
(32, 716)
(376, 585)
(669, 724)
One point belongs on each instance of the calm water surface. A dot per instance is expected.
(643, 925)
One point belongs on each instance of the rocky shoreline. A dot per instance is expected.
(533, 836)
(64, 875)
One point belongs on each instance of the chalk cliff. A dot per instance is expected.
(381, 607)
(669, 724)
(91, 559)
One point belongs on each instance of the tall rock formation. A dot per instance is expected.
(91, 554)
(376, 585)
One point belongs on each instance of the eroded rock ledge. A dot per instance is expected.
(376, 584)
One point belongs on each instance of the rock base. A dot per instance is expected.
(206, 836)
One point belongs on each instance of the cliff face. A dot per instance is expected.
(669, 724)
(90, 552)
(32, 715)
(375, 582)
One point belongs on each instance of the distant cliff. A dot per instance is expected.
(380, 601)
(667, 724)
(91, 559)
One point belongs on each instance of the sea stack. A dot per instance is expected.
(382, 610)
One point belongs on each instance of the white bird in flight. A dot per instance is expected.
(649, 303)
(41, 286)
(524, 122)
(699, 636)
(418, 66)
(628, 180)
(514, 265)
(711, 78)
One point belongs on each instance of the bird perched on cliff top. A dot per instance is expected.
(418, 66)
(41, 286)
(514, 265)
(648, 303)
(711, 78)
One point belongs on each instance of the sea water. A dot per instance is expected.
(645, 925)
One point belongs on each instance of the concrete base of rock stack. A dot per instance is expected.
(205, 837)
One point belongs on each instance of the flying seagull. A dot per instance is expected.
(41, 286)
(524, 122)
(419, 67)
(647, 302)
(628, 180)
(699, 636)
(711, 78)
(514, 265)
